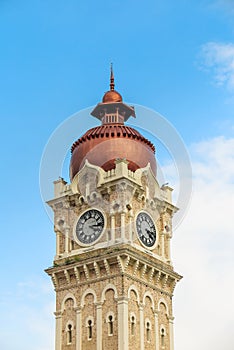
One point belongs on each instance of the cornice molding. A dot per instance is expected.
(123, 264)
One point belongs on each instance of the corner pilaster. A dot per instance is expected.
(58, 330)
(141, 311)
(123, 323)
(99, 325)
(171, 330)
(78, 328)
(156, 330)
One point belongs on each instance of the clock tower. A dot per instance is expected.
(112, 272)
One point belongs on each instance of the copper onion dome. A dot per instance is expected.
(103, 144)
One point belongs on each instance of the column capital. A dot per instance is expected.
(57, 231)
(58, 314)
(122, 299)
(171, 319)
(98, 304)
(78, 309)
(67, 229)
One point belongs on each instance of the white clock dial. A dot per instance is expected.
(146, 229)
(90, 226)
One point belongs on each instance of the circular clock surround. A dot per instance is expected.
(89, 227)
(146, 230)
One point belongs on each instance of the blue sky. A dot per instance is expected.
(175, 57)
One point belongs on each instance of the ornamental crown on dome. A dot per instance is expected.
(103, 144)
(112, 95)
(112, 109)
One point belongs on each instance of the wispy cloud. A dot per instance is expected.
(228, 5)
(203, 252)
(218, 59)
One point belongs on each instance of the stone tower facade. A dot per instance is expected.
(112, 271)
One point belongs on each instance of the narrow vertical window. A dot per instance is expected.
(133, 321)
(162, 337)
(110, 323)
(69, 334)
(148, 331)
(90, 330)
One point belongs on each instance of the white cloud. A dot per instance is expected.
(218, 58)
(203, 252)
(227, 5)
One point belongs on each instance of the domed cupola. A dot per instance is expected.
(112, 95)
(103, 144)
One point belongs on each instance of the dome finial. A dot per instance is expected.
(112, 79)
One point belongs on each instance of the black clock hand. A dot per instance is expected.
(95, 228)
(151, 236)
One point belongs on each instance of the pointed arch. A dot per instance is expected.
(163, 301)
(68, 296)
(134, 289)
(88, 291)
(149, 295)
(106, 288)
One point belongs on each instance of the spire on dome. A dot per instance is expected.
(112, 78)
(112, 95)
(112, 109)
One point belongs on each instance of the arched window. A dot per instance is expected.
(133, 325)
(148, 328)
(72, 244)
(110, 325)
(162, 337)
(110, 318)
(90, 329)
(69, 334)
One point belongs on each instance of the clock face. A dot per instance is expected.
(90, 226)
(146, 229)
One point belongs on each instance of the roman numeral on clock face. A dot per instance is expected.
(146, 229)
(90, 226)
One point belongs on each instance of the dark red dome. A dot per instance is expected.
(102, 145)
